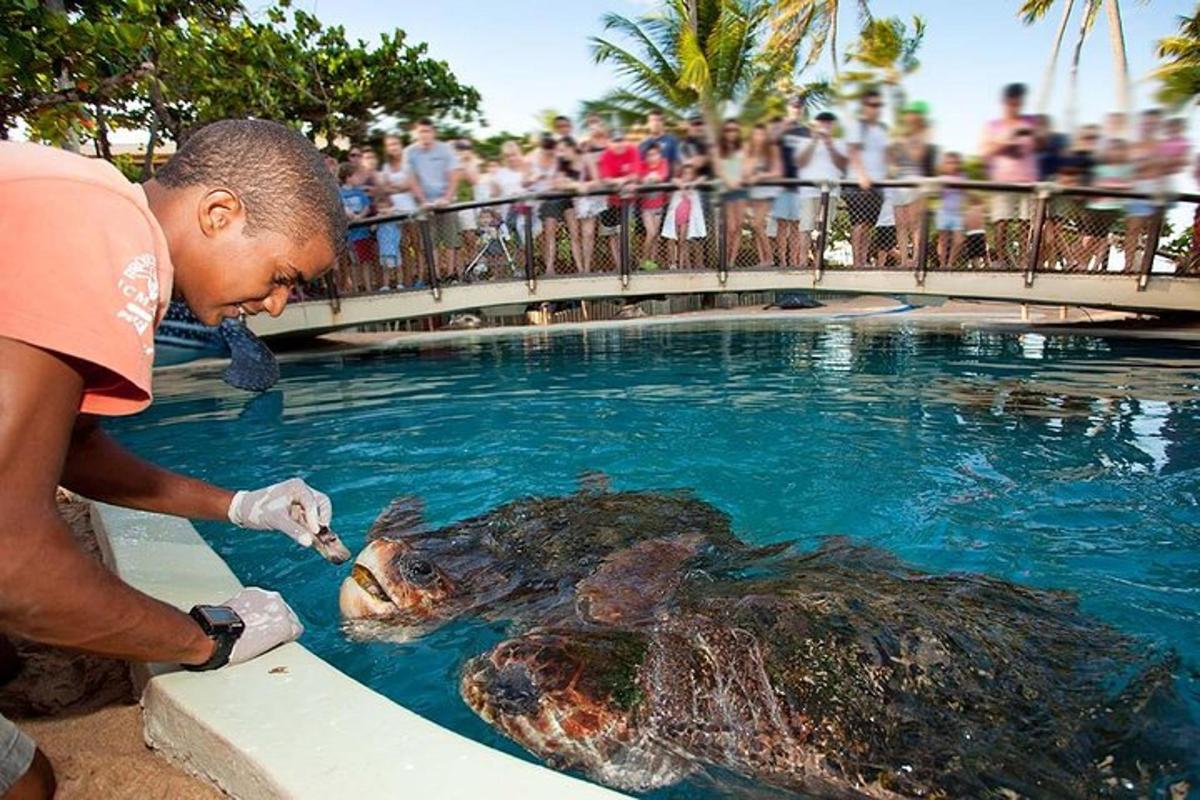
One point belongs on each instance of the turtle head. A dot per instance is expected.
(570, 698)
(399, 583)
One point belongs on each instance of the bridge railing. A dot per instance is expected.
(919, 226)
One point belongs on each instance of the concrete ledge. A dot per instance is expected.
(288, 724)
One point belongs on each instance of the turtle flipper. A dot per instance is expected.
(594, 482)
(633, 585)
(405, 515)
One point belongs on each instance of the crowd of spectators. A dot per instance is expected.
(773, 224)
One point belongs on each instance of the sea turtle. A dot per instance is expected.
(842, 674)
(522, 557)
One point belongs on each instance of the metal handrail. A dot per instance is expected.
(633, 190)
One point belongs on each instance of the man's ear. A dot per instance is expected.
(219, 210)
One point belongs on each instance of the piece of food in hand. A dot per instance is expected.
(327, 543)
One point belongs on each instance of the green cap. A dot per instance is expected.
(917, 107)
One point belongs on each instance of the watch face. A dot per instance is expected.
(219, 617)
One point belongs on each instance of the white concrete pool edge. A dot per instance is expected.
(289, 725)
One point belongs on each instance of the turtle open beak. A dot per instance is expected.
(362, 596)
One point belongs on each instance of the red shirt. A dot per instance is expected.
(661, 173)
(614, 166)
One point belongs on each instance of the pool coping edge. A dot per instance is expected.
(289, 724)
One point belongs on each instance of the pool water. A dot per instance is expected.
(1068, 461)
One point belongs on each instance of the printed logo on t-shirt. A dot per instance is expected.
(138, 285)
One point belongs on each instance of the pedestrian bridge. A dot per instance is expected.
(1161, 293)
(525, 259)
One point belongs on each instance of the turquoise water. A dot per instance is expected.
(1068, 462)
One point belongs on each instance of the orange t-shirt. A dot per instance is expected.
(85, 269)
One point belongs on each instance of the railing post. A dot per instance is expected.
(925, 190)
(331, 290)
(1153, 234)
(623, 242)
(530, 273)
(719, 224)
(822, 233)
(430, 256)
(1042, 201)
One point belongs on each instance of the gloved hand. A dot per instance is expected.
(269, 623)
(292, 507)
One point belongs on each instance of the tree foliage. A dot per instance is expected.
(1179, 73)
(885, 54)
(689, 56)
(171, 65)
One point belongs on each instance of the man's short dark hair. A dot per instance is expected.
(654, 112)
(826, 116)
(425, 121)
(654, 147)
(279, 176)
(870, 93)
(1014, 91)
(562, 118)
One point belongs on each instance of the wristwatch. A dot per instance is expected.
(224, 627)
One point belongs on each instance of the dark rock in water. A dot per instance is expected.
(252, 365)
(844, 673)
(524, 559)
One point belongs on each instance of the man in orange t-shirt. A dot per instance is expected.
(245, 210)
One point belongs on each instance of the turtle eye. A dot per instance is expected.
(419, 571)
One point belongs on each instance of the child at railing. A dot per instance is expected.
(1113, 172)
(684, 224)
(975, 243)
(1060, 232)
(950, 212)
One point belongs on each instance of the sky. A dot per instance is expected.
(527, 55)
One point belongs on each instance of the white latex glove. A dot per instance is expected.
(292, 507)
(269, 623)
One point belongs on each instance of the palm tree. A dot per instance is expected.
(1179, 74)
(792, 21)
(691, 54)
(1032, 11)
(887, 54)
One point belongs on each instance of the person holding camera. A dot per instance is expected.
(1009, 149)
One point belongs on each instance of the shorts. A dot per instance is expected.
(16, 754)
(903, 195)
(864, 205)
(764, 192)
(1139, 208)
(1098, 221)
(810, 212)
(610, 217)
(444, 228)
(975, 245)
(364, 250)
(735, 196)
(387, 236)
(786, 206)
(1008, 205)
(948, 221)
(553, 209)
(883, 239)
(590, 206)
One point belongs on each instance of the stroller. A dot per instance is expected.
(494, 258)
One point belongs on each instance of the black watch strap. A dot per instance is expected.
(224, 627)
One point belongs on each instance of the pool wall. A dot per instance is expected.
(287, 724)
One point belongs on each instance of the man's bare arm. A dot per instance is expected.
(100, 468)
(50, 591)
